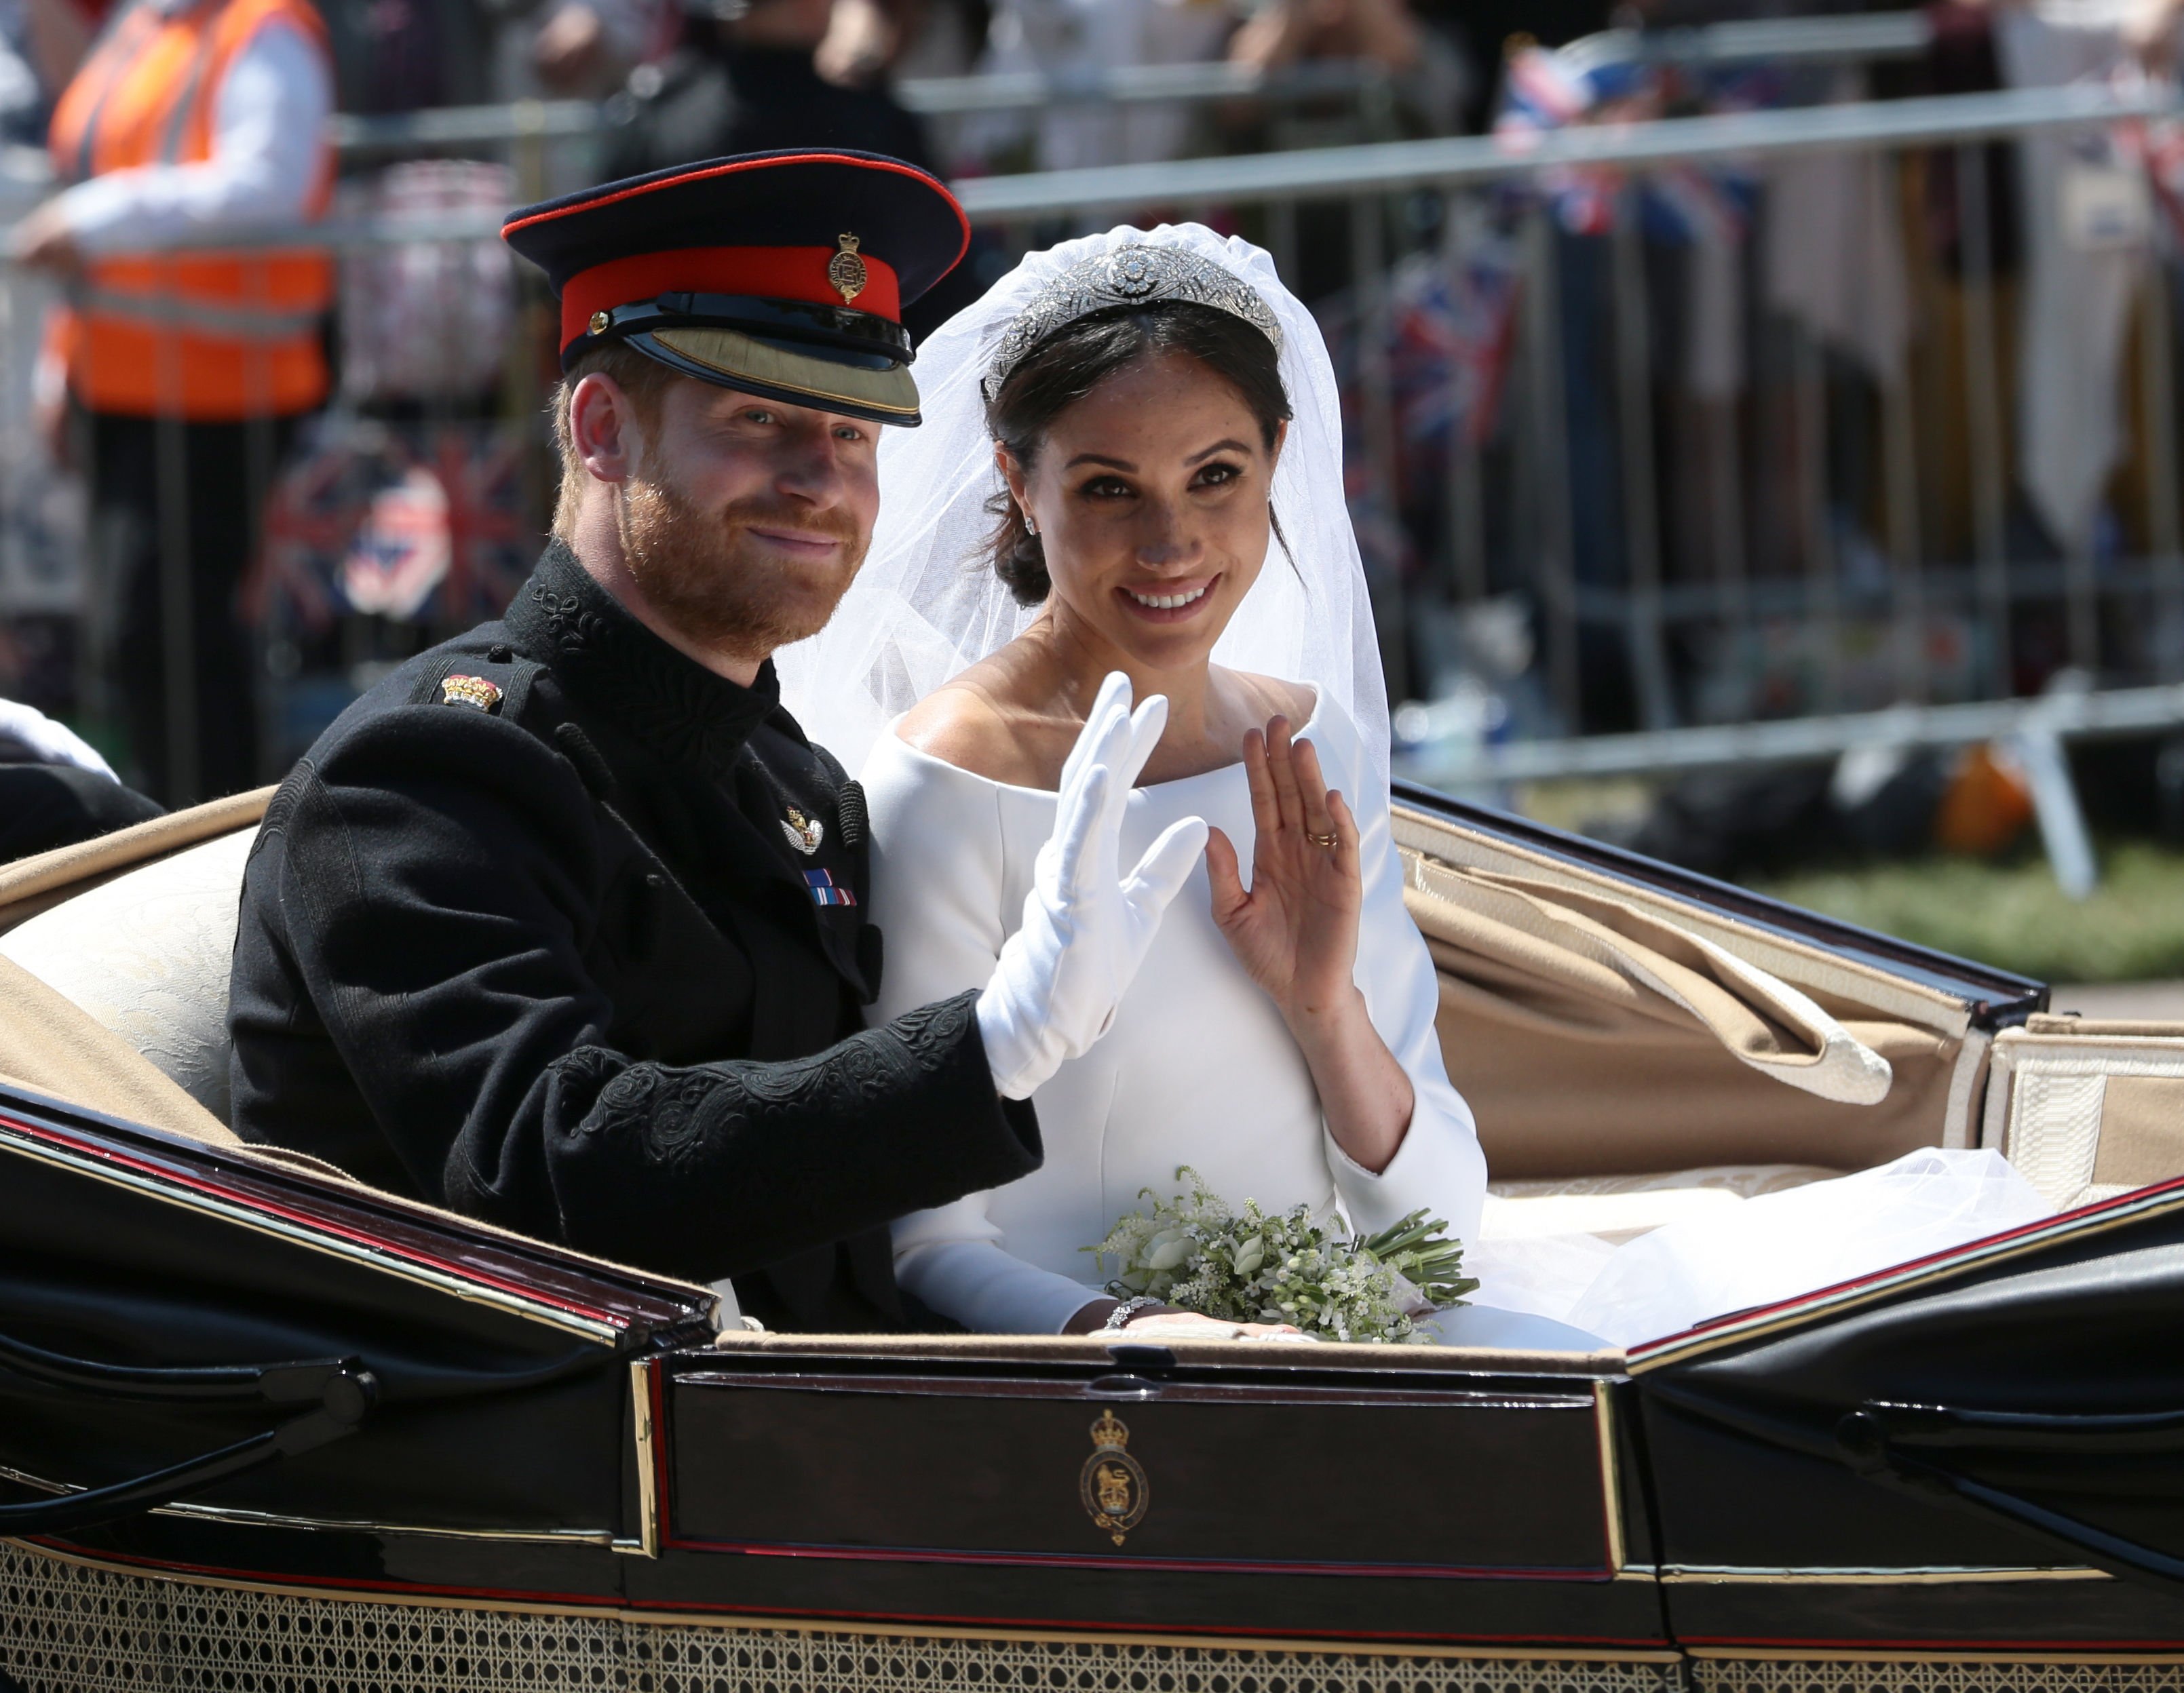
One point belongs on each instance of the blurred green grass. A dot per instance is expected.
(2013, 915)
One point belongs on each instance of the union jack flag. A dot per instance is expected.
(422, 524)
(1454, 321)
(1545, 91)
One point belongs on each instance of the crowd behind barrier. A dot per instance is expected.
(1707, 392)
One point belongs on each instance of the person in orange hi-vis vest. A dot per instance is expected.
(185, 369)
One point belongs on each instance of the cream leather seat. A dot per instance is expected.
(147, 955)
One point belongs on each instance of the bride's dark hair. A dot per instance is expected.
(1079, 356)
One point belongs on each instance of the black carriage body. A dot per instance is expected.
(1973, 1460)
(545, 1434)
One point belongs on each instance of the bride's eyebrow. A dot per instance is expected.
(1226, 445)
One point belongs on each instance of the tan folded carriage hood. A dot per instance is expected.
(1598, 1028)
(51, 1045)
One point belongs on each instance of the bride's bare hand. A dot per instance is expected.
(1190, 1325)
(1176, 1324)
(1296, 931)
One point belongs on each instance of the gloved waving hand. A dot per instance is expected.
(1086, 924)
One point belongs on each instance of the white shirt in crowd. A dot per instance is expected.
(272, 108)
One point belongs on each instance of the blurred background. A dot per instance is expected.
(1762, 417)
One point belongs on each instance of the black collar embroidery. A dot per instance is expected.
(676, 706)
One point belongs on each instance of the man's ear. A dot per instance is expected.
(604, 428)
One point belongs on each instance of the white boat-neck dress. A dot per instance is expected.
(1198, 1067)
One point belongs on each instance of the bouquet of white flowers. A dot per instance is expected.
(1192, 1251)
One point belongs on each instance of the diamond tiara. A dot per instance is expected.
(1135, 274)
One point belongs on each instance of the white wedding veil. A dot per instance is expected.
(926, 604)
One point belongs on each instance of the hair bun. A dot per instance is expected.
(1022, 567)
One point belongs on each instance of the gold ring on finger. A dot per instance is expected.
(1330, 840)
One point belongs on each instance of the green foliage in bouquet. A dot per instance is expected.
(1192, 1251)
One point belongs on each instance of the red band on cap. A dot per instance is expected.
(773, 273)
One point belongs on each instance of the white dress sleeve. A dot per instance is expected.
(1440, 1165)
(938, 892)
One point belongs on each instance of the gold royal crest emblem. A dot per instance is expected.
(1113, 1483)
(469, 690)
(846, 270)
(805, 833)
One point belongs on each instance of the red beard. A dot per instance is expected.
(721, 589)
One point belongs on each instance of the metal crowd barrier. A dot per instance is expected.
(1138, 85)
(424, 132)
(1858, 38)
(1473, 161)
(935, 96)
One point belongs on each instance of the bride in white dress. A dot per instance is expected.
(1279, 1036)
(1111, 482)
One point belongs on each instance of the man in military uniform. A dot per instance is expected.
(563, 924)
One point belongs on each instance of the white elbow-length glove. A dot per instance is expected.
(46, 741)
(1086, 924)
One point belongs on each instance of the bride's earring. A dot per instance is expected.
(1031, 524)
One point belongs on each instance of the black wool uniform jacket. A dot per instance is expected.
(557, 928)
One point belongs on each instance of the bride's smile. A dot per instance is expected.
(1171, 602)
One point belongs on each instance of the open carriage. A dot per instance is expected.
(264, 1428)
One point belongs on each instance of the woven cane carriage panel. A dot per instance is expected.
(719, 1661)
(1926, 1675)
(65, 1628)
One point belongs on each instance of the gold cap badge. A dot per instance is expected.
(847, 271)
(599, 324)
